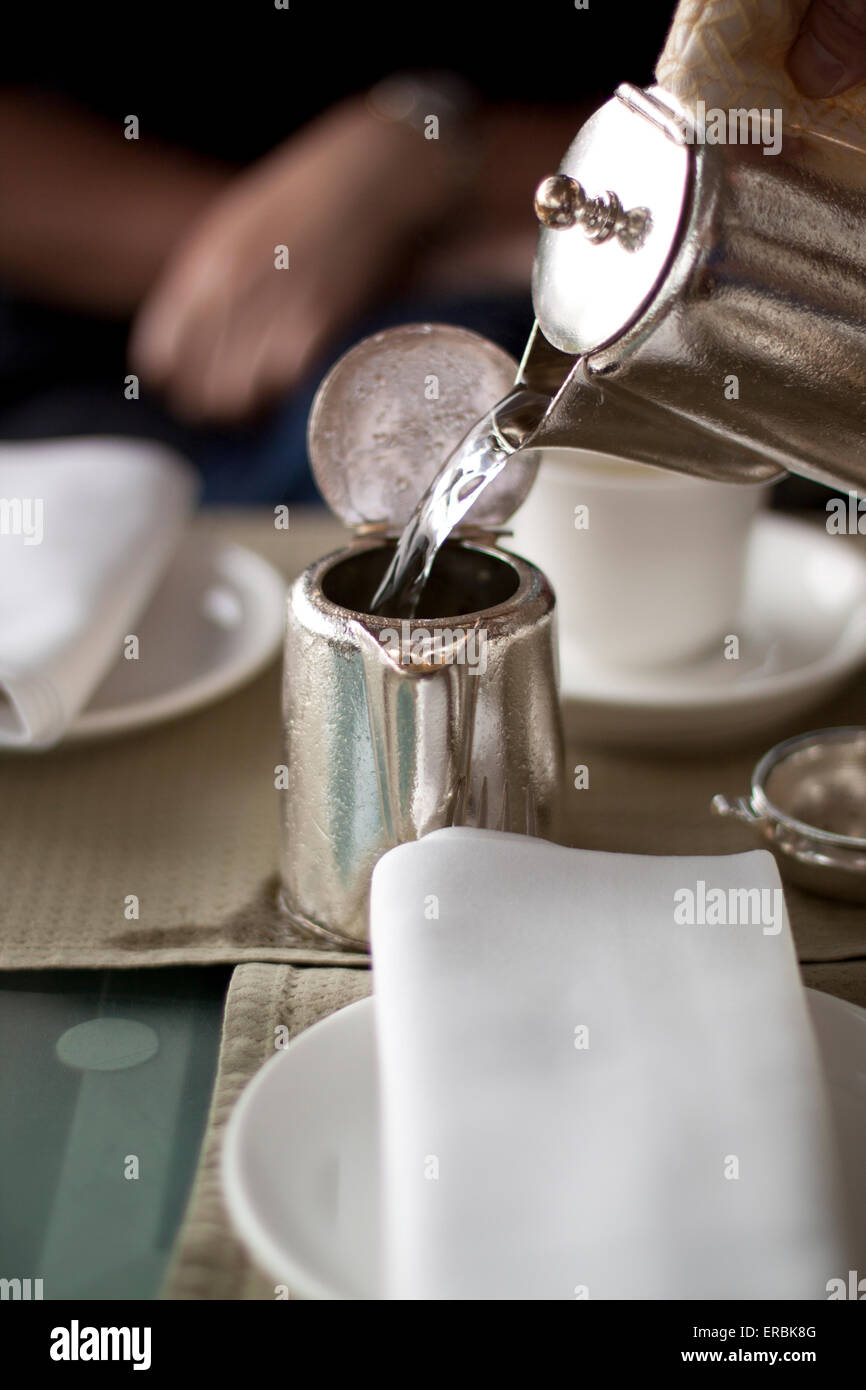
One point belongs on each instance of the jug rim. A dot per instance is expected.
(531, 597)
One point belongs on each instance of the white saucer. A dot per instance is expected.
(301, 1155)
(214, 622)
(802, 631)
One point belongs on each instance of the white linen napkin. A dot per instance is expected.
(585, 1097)
(87, 527)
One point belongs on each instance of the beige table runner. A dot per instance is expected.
(186, 817)
(209, 1261)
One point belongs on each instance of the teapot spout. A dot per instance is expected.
(594, 412)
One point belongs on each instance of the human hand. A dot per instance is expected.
(830, 53)
(224, 330)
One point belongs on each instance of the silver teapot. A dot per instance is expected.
(702, 307)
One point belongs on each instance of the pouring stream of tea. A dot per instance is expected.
(474, 464)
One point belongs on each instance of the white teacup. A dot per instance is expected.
(647, 565)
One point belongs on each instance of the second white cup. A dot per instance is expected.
(647, 565)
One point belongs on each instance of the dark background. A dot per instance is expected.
(232, 79)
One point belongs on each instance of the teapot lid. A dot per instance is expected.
(610, 219)
(388, 414)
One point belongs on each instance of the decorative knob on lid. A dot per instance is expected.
(601, 254)
(558, 200)
(561, 202)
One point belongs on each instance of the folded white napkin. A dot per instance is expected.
(585, 1097)
(87, 527)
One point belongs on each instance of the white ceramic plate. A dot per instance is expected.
(301, 1155)
(802, 631)
(214, 622)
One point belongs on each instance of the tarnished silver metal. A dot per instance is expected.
(391, 410)
(808, 805)
(394, 729)
(731, 343)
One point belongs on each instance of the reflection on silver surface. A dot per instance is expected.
(732, 343)
(381, 750)
(808, 805)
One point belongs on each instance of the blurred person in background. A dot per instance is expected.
(260, 127)
(153, 160)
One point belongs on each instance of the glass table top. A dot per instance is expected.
(105, 1084)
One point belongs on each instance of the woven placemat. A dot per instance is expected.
(660, 804)
(209, 1261)
(185, 817)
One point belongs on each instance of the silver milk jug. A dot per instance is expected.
(702, 307)
(394, 728)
